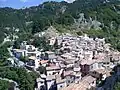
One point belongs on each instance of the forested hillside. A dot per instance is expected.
(65, 15)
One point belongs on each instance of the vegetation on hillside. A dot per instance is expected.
(4, 85)
(117, 86)
(4, 54)
(25, 80)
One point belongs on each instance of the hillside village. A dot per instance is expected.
(77, 63)
(60, 45)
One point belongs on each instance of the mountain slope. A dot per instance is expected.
(56, 11)
(61, 14)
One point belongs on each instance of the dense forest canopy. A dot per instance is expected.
(52, 12)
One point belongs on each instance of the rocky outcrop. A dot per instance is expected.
(85, 24)
(51, 32)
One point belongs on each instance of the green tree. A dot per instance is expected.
(17, 44)
(24, 59)
(40, 25)
(42, 43)
(65, 19)
(25, 80)
(117, 86)
(4, 85)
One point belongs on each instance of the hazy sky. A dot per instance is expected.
(24, 3)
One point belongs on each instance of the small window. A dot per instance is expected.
(68, 81)
(91, 67)
(41, 82)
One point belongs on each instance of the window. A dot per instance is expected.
(41, 82)
(91, 67)
(93, 82)
(68, 81)
(61, 86)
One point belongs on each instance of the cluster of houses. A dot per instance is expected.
(80, 63)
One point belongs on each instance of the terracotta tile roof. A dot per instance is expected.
(52, 68)
(83, 84)
(88, 62)
(88, 79)
(43, 61)
(68, 73)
